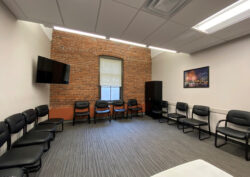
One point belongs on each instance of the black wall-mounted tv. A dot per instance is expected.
(52, 72)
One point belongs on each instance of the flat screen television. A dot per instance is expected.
(52, 72)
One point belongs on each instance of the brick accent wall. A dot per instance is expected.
(82, 53)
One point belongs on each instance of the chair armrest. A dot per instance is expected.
(217, 125)
(139, 105)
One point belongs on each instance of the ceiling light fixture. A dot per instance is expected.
(230, 15)
(79, 32)
(128, 42)
(162, 49)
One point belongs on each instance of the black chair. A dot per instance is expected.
(102, 108)
(84, 107)
(236, 117)
(118, 108)
(133, 106)
(13, 172)
(42, 111)
(16, 123)
(160, 112)
(202, 111)
(31, 117)
(180, 107)
(28, 157)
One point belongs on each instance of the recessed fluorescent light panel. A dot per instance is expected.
(161, 49)
(230, 15)
(128, 42)
(79, 32)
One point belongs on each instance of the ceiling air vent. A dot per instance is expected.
(164, 8)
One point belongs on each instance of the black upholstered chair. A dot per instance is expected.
(31, 117)
(43, 110)
(102, 108)
(16, 123)
(13, 172)
(133, 106)
(180, 107)
(202, 112)
(162, 111)
(81, 109)
(28, 157)
(236, 117)
(118, 108)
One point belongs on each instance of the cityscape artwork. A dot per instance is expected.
(196, 78)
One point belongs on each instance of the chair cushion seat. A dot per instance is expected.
(157, 111)
(176, 115)
(45, 128)
(102, 111)
(22, 156)
(135, 109)
(119, 110)
(52, 121)
(81, 114)
(231, 132)
(12, 172)
(193, 122)
(33, 138)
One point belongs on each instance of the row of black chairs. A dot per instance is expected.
(24, 155)
(82, 109)
(234, 117)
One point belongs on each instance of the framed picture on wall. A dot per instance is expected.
(196, 78)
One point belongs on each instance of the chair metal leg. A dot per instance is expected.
(109, 118)
(89, 119)
(246, 153)
(74, 120)
(206, 137)
(95, 118)
(183, 129)
(215, 141)
(62, 126)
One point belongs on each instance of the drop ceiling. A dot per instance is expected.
(129, 20)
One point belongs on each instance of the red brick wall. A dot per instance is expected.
(82, 53)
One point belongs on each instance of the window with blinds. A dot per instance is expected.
(110, 78)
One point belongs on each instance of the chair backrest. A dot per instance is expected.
(182, 106)
(201, 110)
(81, 104)
(42, 110)
(15, 123)
(239, 117)
(30, 116)
(132, 102)
(101, 104)
(164, 104)
(4, 133)
(118, 103)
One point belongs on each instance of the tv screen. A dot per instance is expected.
(52, 72)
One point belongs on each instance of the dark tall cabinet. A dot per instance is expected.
(153, 96)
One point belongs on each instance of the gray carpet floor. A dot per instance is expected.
(139, 147)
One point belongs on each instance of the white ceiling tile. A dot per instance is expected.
(143, 25)
(79, 14)
(42, 11)
(185, 38)
(240, 29)
(133, 3)
(198, 10)
(15, 9)
(114, 18)
(200, 44)
(165, 33)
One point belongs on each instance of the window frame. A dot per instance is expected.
(122, 77)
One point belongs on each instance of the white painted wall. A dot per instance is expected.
(20, 44)
(229, 78)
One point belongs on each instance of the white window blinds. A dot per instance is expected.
(110, 72)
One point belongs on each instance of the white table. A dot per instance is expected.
(196, 168)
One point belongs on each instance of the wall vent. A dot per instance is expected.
(164, 8)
